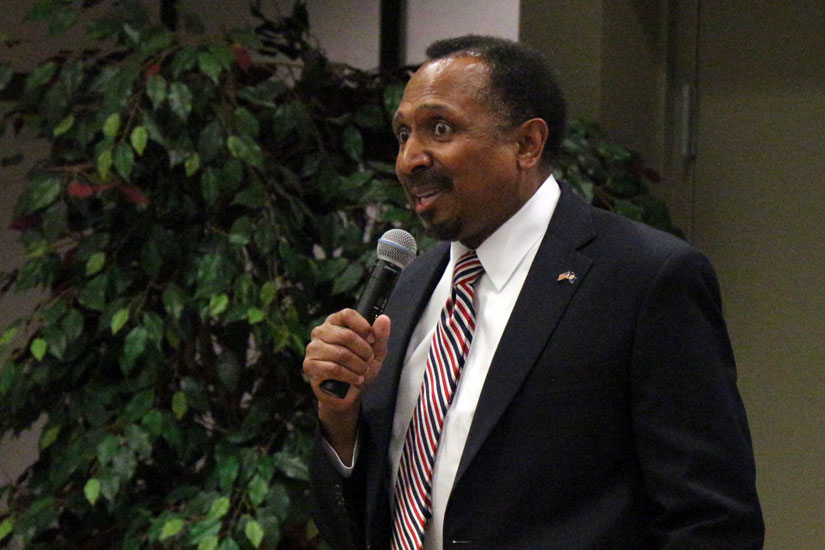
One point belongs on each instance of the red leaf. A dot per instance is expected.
(152, 70)
(242, 57)
(80, 190)
(24, 222)
(133, 194)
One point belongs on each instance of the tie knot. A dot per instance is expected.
(468, 269)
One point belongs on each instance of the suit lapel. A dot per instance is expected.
(535, 315)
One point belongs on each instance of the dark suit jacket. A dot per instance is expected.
(609, 418)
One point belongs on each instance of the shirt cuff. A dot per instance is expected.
(338, 464)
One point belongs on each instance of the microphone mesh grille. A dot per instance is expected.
(398, 247)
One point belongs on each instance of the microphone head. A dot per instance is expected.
(397, 247)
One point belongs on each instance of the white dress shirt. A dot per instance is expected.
(506, 255)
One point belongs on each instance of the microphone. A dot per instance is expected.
(396, 250)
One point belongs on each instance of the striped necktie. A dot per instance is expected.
(412, 505)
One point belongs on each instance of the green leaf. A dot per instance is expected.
(264, 94)
(49, 436)
(95, 263)
(353, 143)
(254, 532)
(218, 304)
(6, 528)
(42, 192)
(268, 293)
(93, 295)
(124, 160)
(348, 279)
(152, 422)
(72, 325)
(184, 60)
(206, 529)
(156, 89)
(139, 139)
(219, 508)
(38, 348)
(229, 544)
(120, 318)
(92, 490)
(180, 99)
(40, 76)
(210, 66)
(133, 348)
(63, 126)
(258, 489)
(171, 528)
(104, 163)
(106, 449)
(247, 123)
(246, 150)
(179, 405)
(8, 336)
(208, 543)
(255, 315)
(192, 164)
(112, 125)
(174, 300)
(392, 97)
(228, 470)
(291, 465)
(210, 185)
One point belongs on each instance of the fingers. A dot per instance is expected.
(344, 348)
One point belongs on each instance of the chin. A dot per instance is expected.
(445, 231)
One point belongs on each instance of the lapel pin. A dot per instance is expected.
(568, 276)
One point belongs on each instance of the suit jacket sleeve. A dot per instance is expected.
(689, 422)
(338, 501)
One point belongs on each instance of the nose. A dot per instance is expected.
(412, 157)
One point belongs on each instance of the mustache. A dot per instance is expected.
(432, 178)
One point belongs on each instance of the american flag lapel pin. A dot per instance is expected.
(568, 276)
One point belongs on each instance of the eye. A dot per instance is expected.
(403, 134)
(441, 128)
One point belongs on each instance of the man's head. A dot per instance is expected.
(473, 147)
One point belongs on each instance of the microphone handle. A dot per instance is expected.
(370, 305)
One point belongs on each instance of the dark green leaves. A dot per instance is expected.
(180, 99)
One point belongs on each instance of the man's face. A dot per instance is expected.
(455, 160)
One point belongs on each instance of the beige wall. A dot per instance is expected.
(759, 209)
(750, 193)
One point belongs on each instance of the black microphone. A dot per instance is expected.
(396, 250)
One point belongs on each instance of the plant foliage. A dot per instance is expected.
(204, 204)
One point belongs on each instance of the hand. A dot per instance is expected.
(346, 348)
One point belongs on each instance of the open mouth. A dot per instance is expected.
(423, 198)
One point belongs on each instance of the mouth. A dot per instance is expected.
(423, 198)
(424, 190)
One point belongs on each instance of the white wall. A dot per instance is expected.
(430, 20)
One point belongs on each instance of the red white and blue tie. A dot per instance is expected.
(412, 506)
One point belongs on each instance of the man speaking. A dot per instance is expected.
(552, 377)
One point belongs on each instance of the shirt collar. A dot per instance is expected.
(503, 251)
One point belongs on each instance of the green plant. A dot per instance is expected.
(206, 201)
(610, 176)
(202, 207)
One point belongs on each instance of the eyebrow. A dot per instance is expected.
(431, 107)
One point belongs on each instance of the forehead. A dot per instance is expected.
(446, 84)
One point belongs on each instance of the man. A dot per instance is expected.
(593, 403)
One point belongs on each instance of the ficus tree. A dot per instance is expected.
(205, 202)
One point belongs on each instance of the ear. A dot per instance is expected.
(531, 136)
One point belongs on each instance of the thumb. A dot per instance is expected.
(381, 331)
